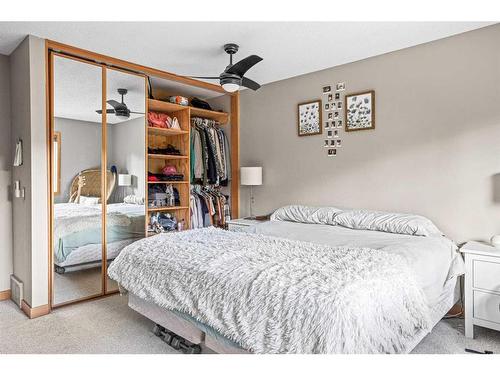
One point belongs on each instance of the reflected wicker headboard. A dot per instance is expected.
(92, 185)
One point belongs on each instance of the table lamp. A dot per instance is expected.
(251, 176)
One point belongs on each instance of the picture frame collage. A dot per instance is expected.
(333, 120)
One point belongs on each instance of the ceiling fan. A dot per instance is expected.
(119, 109)
(233, 76)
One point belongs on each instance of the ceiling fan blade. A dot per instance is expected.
(137, 113)
(107, 111)
(242, 66)
(205, 77)
(249, 83)
(115, 104)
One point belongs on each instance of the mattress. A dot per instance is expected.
(434, 260)
(78, 228)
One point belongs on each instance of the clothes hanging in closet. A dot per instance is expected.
(210, 154)
(208, 206)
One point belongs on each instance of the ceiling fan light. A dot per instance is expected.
(122, 117)
(230, 87)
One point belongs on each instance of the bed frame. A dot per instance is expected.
(181, 333)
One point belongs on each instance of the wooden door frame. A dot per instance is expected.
(107, 62)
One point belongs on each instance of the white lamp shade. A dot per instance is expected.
(251, 176)
(124, 180)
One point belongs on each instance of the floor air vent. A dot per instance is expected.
(16, 290)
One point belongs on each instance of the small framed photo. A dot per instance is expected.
(359, 111)
(330, 116)
(339, 124)
(330, 97)
(340, 86)
(327, 106)
(335, 133)
(309, 120)
(337, 96)
(327, 143)
(333, 106)
(332, 142)
(339, 142)
(329, 133)
(339, 105)
(327, 125)
(336, 115)
(332, 152)
(327, 89)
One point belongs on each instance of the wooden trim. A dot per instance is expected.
(235, 155)
(49, 95)
(373, 110)
(111, 61)
(5, 295)
(34, 312)
(320, 103)
(104, 177)
(85, 299)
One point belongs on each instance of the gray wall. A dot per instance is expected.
(435, 150)
(28, 111)
(127, 144)
(6, 159)
(80, 149)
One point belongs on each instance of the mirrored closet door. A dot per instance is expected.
(125, 158)
(77, 234)
(98, 173)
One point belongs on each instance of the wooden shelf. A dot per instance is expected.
(167, 157)
(171, 208)
(222, 117)
(161, 106)
(168, 182)
(166, 132)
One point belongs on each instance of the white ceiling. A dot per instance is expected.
(195, 48)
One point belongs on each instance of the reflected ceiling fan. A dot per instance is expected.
(233, 76)
(119, 109)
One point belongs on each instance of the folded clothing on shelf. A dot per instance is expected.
(169, 150)
(162, 177)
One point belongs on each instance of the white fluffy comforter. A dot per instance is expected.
(273, 295)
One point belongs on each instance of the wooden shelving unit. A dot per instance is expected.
(180, 139)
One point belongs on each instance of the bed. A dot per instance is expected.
(311, 280)
(78, 233)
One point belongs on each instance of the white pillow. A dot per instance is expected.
(133, 199)
(414, 225)
(89, 201)
(306, 214)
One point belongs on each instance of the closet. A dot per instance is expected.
(114, 173)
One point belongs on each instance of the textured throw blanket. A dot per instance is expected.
(273, 295)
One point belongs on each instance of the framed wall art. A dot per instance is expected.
(359, 111)
(309, 118)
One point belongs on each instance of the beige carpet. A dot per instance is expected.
(108, 325)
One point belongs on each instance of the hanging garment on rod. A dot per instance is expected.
(210, 155)
(208, 207)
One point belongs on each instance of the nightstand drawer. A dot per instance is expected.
(487, 275)
(487, 306)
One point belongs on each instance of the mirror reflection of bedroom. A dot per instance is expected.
(98, 192)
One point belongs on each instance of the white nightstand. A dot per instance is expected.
(482, 287)
(242, 225)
